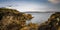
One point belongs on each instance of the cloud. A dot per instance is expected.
(29, 6)
(54, 1)
(23, 6)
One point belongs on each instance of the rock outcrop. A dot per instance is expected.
(53, 23)
(11, 19)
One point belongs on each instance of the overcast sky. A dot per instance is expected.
(31, 5)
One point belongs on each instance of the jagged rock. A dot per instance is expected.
(11, 19)
(53, 23)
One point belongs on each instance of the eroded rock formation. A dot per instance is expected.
(11, 19)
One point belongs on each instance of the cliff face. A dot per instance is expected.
(11, 19)
(53, 23)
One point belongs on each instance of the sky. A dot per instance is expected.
(31, 5)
